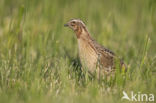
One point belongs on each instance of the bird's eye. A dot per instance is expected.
(73, 22)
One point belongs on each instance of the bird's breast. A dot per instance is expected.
(88, 56)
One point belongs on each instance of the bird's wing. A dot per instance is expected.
(106, 59)
(105, 56)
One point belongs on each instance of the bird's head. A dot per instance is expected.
(77, 26)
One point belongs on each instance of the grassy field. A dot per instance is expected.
(39, 58)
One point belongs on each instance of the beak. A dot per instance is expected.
(66, 25)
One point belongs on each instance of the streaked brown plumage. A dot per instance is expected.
(92, 55)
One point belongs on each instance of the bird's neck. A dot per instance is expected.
(82, 33)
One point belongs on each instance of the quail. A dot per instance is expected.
(93, 56)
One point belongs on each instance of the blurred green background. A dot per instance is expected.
(39, 57)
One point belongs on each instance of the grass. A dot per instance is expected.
(39, 60)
